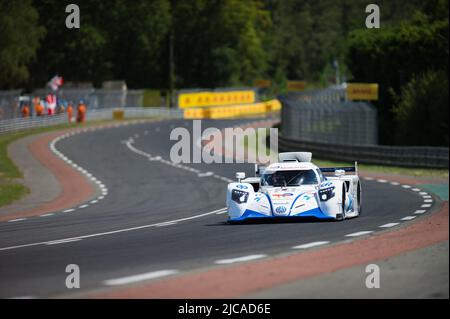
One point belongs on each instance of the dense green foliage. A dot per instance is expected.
(422, 112)
(20, 35)
(395, 56)
(215, 42)
(229, 43)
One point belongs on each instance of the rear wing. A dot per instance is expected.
(346, 169)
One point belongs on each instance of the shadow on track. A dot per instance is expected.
(276, 220)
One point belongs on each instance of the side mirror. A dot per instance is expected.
(239, 176)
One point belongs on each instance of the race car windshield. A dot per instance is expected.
(289, 178)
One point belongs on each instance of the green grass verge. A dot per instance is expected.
(8, 169)
(10, 192)
(10, 189)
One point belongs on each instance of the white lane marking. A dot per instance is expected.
(16, 220)
(76, 166)
(165, 224)
(423, 193)
(406, 186)
(205, 174)
(415, 190)
(369, 178)
(239, 259)
(425, 206)
(56, 242)
(140, 277)
(420, 211)
(428, 201)
(360, 233)
(129, 143)
(426, 196)
(95, 201)
(310, 245)
(381, 181)
(408, 218)
(223, 212)
(395, 183)
(46, 215)
(112, 232)
(389, 225)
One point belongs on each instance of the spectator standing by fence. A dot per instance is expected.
(70, 112)
(38, 107)
(25, 110)
(81, 112)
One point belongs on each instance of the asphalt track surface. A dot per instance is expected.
(143, 192)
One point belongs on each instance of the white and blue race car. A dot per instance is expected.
(295, 187)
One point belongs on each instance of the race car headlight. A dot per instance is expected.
(326, 193)
(239, 196)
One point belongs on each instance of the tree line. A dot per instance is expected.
(216, 43)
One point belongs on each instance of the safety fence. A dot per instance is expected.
(9, 104)
(324, 123)
(233, 111)
(331, 95)
(20, 124)
(329, 122)
(94, 98)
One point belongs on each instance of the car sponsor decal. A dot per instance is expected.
(281, 209)
(282, 195)
(241, 186)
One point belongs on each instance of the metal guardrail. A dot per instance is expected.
(20, 124)
(408, 156)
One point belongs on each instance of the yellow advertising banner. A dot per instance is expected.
(296, 85)
(199, 99)
(362, 91)
(261, 83)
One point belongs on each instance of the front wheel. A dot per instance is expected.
(341, 216)
(358, 197)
